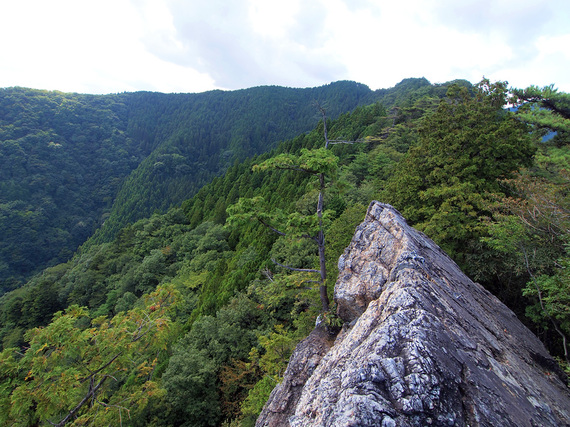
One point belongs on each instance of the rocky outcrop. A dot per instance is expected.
(301, 366)
(424, 346)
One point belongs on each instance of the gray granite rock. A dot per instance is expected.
(423, 345)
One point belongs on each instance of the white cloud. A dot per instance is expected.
(192, 45)
(547, 67)
(272, 19)
(247, 43)
(94, 47)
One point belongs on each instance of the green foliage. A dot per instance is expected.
(554, 294)
(110, 278)
(230, 295)
(213, 342)
(84, 371)
(543, 107)
(278, 346)
(321, 163)
(313, 162)
(465, 148)
(253, 403)
(62, 158)
(206, 133)
(341, 231)
(287, 296)
(71, 163)
(236, 382)
(190, 383)
(533, 226)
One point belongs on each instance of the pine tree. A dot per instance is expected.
(464, 149)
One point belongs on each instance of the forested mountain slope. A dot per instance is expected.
(207, 133)
(206, 281)
(208, 265)
(69, 162)
(62, 158)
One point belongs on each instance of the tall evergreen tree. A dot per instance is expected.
(464, 149)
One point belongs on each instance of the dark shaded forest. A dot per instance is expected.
(184, 308)
(72, 165)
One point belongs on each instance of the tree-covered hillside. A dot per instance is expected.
(208, 264)
(225, 284)
(204, 134)
(62, 160)
(71, 162)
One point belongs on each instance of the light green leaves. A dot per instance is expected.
(87, 372)
(318, 161)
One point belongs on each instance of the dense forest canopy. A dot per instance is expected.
(70, 163)
(188, 316)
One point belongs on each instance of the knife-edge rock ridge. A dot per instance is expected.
(423, 345)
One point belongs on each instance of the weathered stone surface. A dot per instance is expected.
(425, 346)
(302, 364)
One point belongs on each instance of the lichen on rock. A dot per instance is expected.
(423, 345)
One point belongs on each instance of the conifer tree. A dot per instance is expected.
(465, 148)
(543, 107)
(533, 226)
(323, 165)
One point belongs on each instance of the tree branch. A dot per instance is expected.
(324, 115)
(116, 406)
(296, 168)
(83, 401)
(305, 270)
(270, 227)
(343, 141)
(267, 273)
(92, 374)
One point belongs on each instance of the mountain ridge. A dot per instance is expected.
(76, 161)
(225, 314)
(422, 345)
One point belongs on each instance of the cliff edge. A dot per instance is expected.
(423, 345)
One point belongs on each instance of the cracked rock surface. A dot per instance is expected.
(424, 346)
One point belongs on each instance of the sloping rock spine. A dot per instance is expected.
(425, 346)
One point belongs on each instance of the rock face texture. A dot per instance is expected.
(424, 346)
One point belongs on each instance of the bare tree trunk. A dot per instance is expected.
(321, 244)
(323, 284)
(324, 114)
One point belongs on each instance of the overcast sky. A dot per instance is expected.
(108, 46)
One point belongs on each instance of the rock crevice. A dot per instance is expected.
(425, 346)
